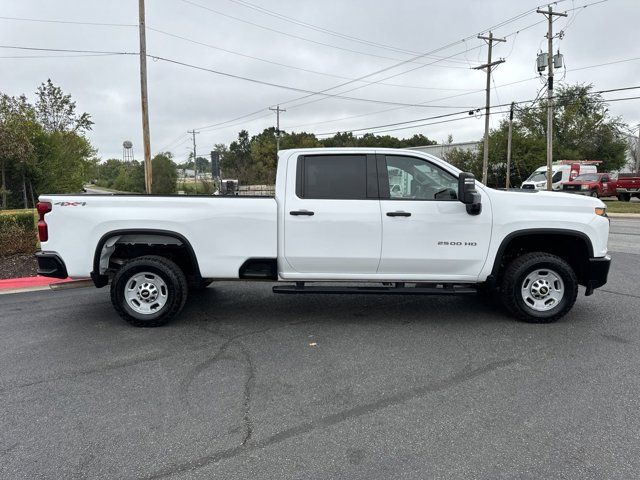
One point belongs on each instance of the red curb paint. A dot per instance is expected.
(28, 282)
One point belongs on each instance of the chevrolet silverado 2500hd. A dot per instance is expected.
(379, 221)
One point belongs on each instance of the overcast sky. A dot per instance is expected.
(367, 36)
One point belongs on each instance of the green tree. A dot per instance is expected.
(583, 130)
(56, 111)
(165, 174)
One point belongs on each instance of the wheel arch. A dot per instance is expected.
(573, 246)
(148, 236)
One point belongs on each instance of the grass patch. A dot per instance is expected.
(18, 211)
(615, 206)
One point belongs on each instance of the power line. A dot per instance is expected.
(272, 62)
(322, 29)
(68, 50)
(60, 56)
(292, 88)
(280, 32)
(467, 112)
(70, 22)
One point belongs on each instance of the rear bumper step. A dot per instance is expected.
(51, 265)
(399, 289)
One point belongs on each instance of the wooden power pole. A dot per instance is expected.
(144, 98)
(195, 161)
(550, 14)
(509, 145)
(277, 109)
(489, 67)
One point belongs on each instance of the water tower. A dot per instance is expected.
(127, 151)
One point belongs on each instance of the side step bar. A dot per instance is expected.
(395, 289)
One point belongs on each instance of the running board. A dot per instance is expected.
(397, 289)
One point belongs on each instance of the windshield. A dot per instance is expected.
(587, 177)
(537, 177)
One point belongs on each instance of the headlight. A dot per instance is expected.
(601, 211)
(584, 187)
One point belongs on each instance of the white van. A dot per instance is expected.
(563, 171)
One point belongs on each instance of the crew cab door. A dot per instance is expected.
(608, 187)
(332, 221)
(426, 230)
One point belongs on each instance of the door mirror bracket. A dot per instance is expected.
(468, 194)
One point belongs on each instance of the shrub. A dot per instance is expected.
(18, 233)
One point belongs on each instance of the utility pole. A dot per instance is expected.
(489, 66)
(195, 161)
(638, 151)
(144, 99)
(277, 109)
(509, 145)
(550, 14)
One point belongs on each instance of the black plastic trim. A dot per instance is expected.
(537, 231)
(449, 289)
(250, 269)
(102, 280)
(597, 273)
(51, 265)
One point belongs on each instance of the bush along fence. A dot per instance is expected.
(18, 233)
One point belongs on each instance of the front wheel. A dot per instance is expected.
(149, 291)
(594, 193)
(539, 287)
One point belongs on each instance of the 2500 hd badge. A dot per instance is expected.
(458, 244)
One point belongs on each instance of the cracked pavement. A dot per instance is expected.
(247, 384)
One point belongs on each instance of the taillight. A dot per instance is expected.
(43, 231)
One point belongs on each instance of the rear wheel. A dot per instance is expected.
(149, 291)
(624, 197)
(539, 287)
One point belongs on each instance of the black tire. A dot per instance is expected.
(624, 197)
(594, 193)
(171, 275)
(514, 278)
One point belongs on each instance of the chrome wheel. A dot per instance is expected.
(146, 293)
(542, 290)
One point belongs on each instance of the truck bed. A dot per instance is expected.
(222, 231)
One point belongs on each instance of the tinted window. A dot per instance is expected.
(417, 179)
(335, 176)
(556, 176)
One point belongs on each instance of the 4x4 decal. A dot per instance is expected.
(71, 204)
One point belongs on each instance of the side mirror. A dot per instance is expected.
(468, 194)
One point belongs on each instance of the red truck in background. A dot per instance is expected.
(605, 185)
(627, 186)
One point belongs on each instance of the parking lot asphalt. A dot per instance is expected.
(251, 385)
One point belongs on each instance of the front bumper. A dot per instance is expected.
(51, 265)
(578, 192)
(597, 272)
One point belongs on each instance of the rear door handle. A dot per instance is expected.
(398, 214)
(301, 212)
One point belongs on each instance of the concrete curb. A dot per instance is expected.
(624, 215)
(28, 284)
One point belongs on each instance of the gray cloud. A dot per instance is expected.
(183, 98)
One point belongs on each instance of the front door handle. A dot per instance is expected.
(301, 212)
(398, 214)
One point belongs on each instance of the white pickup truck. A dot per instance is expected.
(345, 220)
